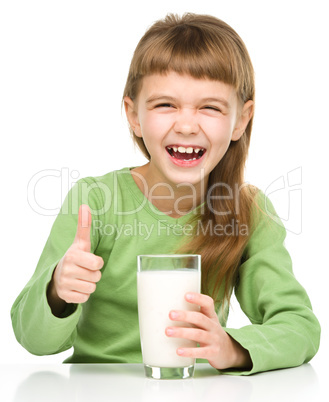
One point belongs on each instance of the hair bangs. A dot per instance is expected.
(187, 48)
(186, 58)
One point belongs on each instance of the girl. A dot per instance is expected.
(189, 100)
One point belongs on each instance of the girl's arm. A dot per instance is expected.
(39, 329)
(284, 330)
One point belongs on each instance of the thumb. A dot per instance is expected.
(82, 237)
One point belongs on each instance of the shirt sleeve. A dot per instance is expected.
(34, 325)
(284, 331)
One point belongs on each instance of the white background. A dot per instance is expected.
(62, 72)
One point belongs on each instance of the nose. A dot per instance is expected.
(186, 122)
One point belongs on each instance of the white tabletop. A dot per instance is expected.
(126, 382)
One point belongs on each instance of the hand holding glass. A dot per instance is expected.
(162, 282)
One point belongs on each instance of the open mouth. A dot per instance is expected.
(185, 153)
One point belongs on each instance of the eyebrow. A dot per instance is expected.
(223, 101)
(154, 98)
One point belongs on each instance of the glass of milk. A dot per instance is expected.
(162, 282)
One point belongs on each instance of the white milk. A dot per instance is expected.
(158, 293)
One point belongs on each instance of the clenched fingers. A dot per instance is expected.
(83, 259)
(205, 302)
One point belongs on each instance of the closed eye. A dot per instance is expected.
(164, 105)
(212, 108)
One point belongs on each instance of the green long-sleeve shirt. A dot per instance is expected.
(284, 332)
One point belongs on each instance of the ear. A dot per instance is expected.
(132, 115)
(243, 120)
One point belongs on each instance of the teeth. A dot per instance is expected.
(183, 150)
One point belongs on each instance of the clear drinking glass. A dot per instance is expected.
(162, 282)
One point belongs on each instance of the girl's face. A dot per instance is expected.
(187, 125)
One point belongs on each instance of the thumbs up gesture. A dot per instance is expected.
(77, 273)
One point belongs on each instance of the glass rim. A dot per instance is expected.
(188, 261)
(169, 255)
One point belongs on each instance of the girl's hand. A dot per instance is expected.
(77, 273)
(216, 345)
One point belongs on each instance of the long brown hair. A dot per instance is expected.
(206, 47)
